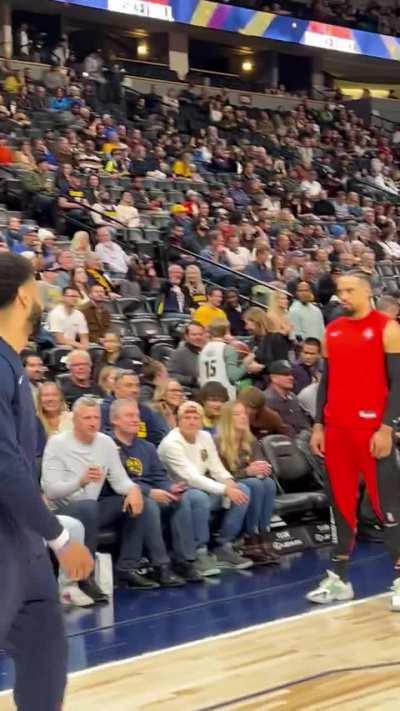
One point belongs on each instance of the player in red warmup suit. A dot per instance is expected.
(358, 405)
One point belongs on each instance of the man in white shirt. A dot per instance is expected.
(190, 455)
(238, 257)
(66, 323)
(110, 253)
(83, 477)
(311, 185)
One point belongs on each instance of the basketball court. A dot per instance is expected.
(293, 657)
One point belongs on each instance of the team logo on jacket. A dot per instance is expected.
(134, 466)
(204, 455)
(142, 433)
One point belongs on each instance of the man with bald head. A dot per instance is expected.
(358, 406)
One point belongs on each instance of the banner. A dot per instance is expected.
(218, 16)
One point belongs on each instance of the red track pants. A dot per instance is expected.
(347, 460)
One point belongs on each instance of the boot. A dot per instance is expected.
(267, 548)
(251, 549)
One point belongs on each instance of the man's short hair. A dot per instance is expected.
(26, 354)
(117, 405)
(189, 325)
(211, 289)
(218, 328)
(77, 352)
(311, 341)
(213, 391)
(69, 288)
(15, 271)
(85, 401)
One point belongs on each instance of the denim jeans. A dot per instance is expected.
(190, 524)
(76, 533)
(232, 522)
(261, 506)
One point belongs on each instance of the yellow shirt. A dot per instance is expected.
(182, 169)
(205, 314)
(11, 84)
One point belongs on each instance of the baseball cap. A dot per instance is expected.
(190, 406)
(28, 230)
(280, 367)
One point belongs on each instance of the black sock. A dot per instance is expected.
(340, 567)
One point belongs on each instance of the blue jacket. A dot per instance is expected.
(152, 427)
(143, 466)
(22, 509)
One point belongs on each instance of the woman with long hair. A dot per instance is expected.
(115, 354)
(166, 401)
(106, 379)
(267, 343)
(80, 247)
(52, 410)
(194, 285)
(79, 280)
(278, 309)
(243, 457)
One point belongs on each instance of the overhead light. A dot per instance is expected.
(247, 65)
(142, 49)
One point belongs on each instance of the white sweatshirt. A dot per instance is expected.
(197, 464)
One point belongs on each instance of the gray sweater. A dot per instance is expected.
(66, 459)
(184, 365)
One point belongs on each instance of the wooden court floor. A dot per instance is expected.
(238, 670)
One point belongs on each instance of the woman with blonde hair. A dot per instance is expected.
(166, 401)
(278, 309)
(195, 286)
(243, 457)
(267, 343)
(106, 379)
(80, 247)
(52, 412)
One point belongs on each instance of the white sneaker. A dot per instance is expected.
(332, 589)
(72, 595)
(395, 596)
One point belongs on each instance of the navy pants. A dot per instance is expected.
(31, 624)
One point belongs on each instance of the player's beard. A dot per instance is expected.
(35, 320)
(348, 310)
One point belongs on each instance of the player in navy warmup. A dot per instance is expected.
(31, 626)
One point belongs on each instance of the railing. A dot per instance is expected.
(196, 257)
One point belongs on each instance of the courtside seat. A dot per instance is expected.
(290, 470)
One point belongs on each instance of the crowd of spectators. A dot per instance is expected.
(369, 15)
(187, 257)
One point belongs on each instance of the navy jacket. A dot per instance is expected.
(152, 427)
(21, 505)
(143, 466)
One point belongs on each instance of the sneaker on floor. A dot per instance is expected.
(165, 577)
(227, 558)
(395, 596)
(90, 588)
(332, 589)
(187, 570)
(135, 579)
(74, 596)
(206, 564)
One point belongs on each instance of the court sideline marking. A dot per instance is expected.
(224, 635)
